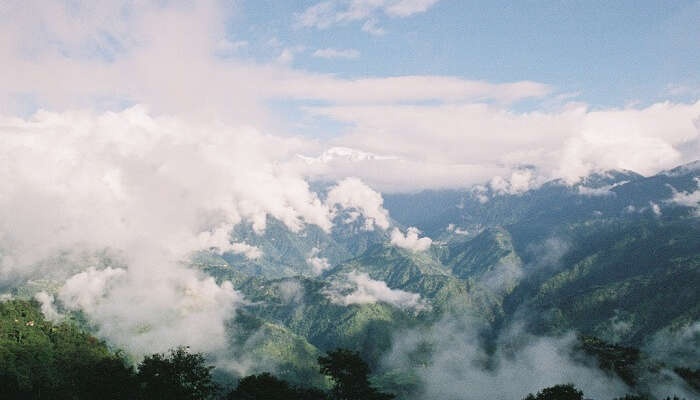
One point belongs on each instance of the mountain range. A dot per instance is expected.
(615, 256)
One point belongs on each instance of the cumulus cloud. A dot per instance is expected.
(352, 193)
(410, 240)
(335, 53)
(364, 290)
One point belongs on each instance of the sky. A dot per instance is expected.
(404, 94)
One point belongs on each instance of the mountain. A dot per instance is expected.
(615, 256)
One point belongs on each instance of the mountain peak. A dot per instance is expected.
(689, 168)
(609, 177)
(344, 154)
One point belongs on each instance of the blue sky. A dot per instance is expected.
(609, 53)
(404, 94)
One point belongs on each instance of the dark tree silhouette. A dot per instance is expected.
(350, 375)
(179, 376)
(268, 387)
(557, 392)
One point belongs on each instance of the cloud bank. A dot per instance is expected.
(459, 145)
(116, 203)
(458, 366)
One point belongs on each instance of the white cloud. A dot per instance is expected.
(288, 53)
(404, 8)
(250, 252)
(335, 53)
(371, 26)
(520, 181)
(150, 190)
(318, 264)
(410, 240)
(432, 142)
(688, 199)
(409, 88)
(599, 191)
(518, 362)
(81, 56)
(457, 230)
(352, 193)
(48, 307)
(339, 12)
(345, 154)
(148, 309)
(291, 291)
(367, 290)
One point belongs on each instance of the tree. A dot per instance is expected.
(268, 387)
(557, 392)
(263, 386)
(350, 375)
(179, 376)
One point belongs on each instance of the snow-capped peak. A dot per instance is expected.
(345, 154)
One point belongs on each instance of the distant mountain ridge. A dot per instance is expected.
(614, 256)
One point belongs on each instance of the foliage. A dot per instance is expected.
(179, 376)
(350, 375)
(42, 360)
(618, 359)
(267, 387)
(557, 392)
(690, 376)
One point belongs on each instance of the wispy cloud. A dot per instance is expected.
(335, 53)
(337, 12)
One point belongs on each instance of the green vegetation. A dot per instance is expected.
(42, 360)
(350, 375)
(176, 376)
(267, 386)
(557, 392)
